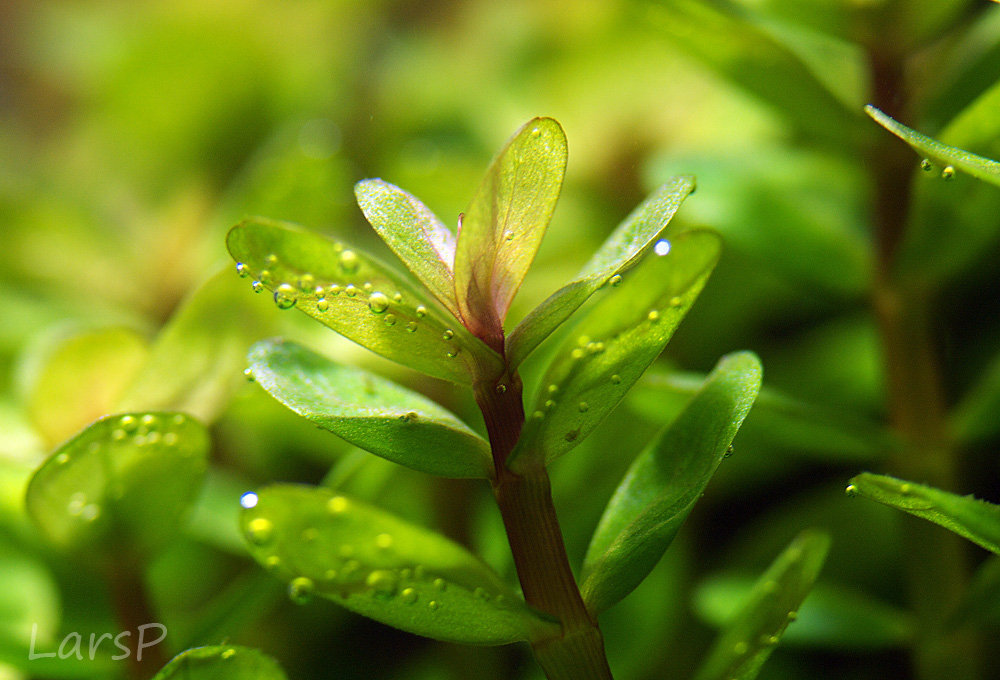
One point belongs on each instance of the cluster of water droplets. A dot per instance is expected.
(287, 295)
(947, 173)
(348, 576)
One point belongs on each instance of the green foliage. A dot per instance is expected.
(221, 663)
(371, 562)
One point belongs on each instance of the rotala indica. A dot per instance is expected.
(446, 318)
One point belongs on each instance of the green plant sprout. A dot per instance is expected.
(450, 323)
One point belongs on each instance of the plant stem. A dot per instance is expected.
(936, 560)
(529, 516)
(133, 609)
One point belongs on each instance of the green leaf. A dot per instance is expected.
(414, 233)
(831, 617)
(627, 245)
(777, 419)
(122, 486)
(744, 645)
(665, 481)
(975, 417)
(974, 519)
(613, 345)
(196, 363)
(29, 606)
(225, 662)
(380, 566)
(360, 298)
(369, 411)
(981, 601)
(82, 378)
(948, 157)
(505, 222)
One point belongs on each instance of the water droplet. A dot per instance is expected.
(271, 259)
(397, 298)
(349, 261)
(334, 290)
(170, 438)
(322, 304)
(257, 287)
(248, 374)
(306, 282)
(229, 653)
(367, 286)
(383, 541)
(578, 353)
(769, 640)
(572, 435)
(616, 379)
(285, 296)
(411, 327)
(272, 562)
(905, 489)
(260, 531)
(584, 407)
(433, 605)
(241, 270)
(452, 353)
(729, 451)
(378, 303)
(948, 173)
(536, 133)
(421, 311)
(62, 458)
(792, 616)
(90, 512)
(265, 276)
(382, 582)
(653, 316)
(926, 165)
(616, 280)
(336, 505)
(549, 404)
(662, 247)
(350, 290)
(390, 319)
(149, 420)
(553, 388)
(128, 423)
(409, 595)
(537, 415)
(851, 490)
(118, 434)
(448, 334)
(740, 648)
(508, 235)
(440, 584)
(676, 301)
(501, 388)
(249, 500)
(300, 590)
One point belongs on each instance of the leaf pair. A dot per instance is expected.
(323, 543)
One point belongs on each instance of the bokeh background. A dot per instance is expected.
(133, 135)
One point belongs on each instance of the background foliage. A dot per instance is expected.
(133, 136)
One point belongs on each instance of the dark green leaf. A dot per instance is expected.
(981, 601)
(505, 223)
(360, 298)
(224, 662)
(377, 565)
(744, 645)
(830, 618)
(613, 345)
(974, 519)
(630, 241)
(123, 485)
(414, 233)
(947, 157)
(196, 362)
(665, 481)
(975, 417)
(370, 411)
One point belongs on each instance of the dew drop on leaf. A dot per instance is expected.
(397, 298)
(508, 235)
(248, 500)
(129, 423)
(926, 165)
(948, 173)
(257, 286)
(432, 605)
(300, 590)
(285, 296)
(452, 353)
(350, 290)
(448, 334)
(653, 316)
(260, 531)
(390, 319)
(334, 290)
(378, 303)
(241, 270)
(662, 247)
(349, 262)
(440, 584)
(229, 653)
(382, 582)
(409, 595)
(411, 327)
(383, 541)
(336, 505)
(616, 379)
(322, 304)
(584, 407)
(616, 280)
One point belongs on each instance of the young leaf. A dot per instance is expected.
(414, 233)
(613, 345)
(939, 154)
(370, 411)
(665, 481)
(505, 223)
(121, 486)
(380, 566)
(627, 245)
(743, 647)
(196, 362)
(226, 662)
(81, 379)
(974, 519)
(360, 298)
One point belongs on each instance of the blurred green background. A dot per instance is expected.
(133, 135)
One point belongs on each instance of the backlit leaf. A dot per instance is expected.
(630, 241)
(939, 154)
(505, 223)
(414, 233)
(974, 519)
(369, 411)
(744, 645)
(665, 481)
(375, 564)
(360, 298)
(224, 662)
(613, 345)
(123, 485)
